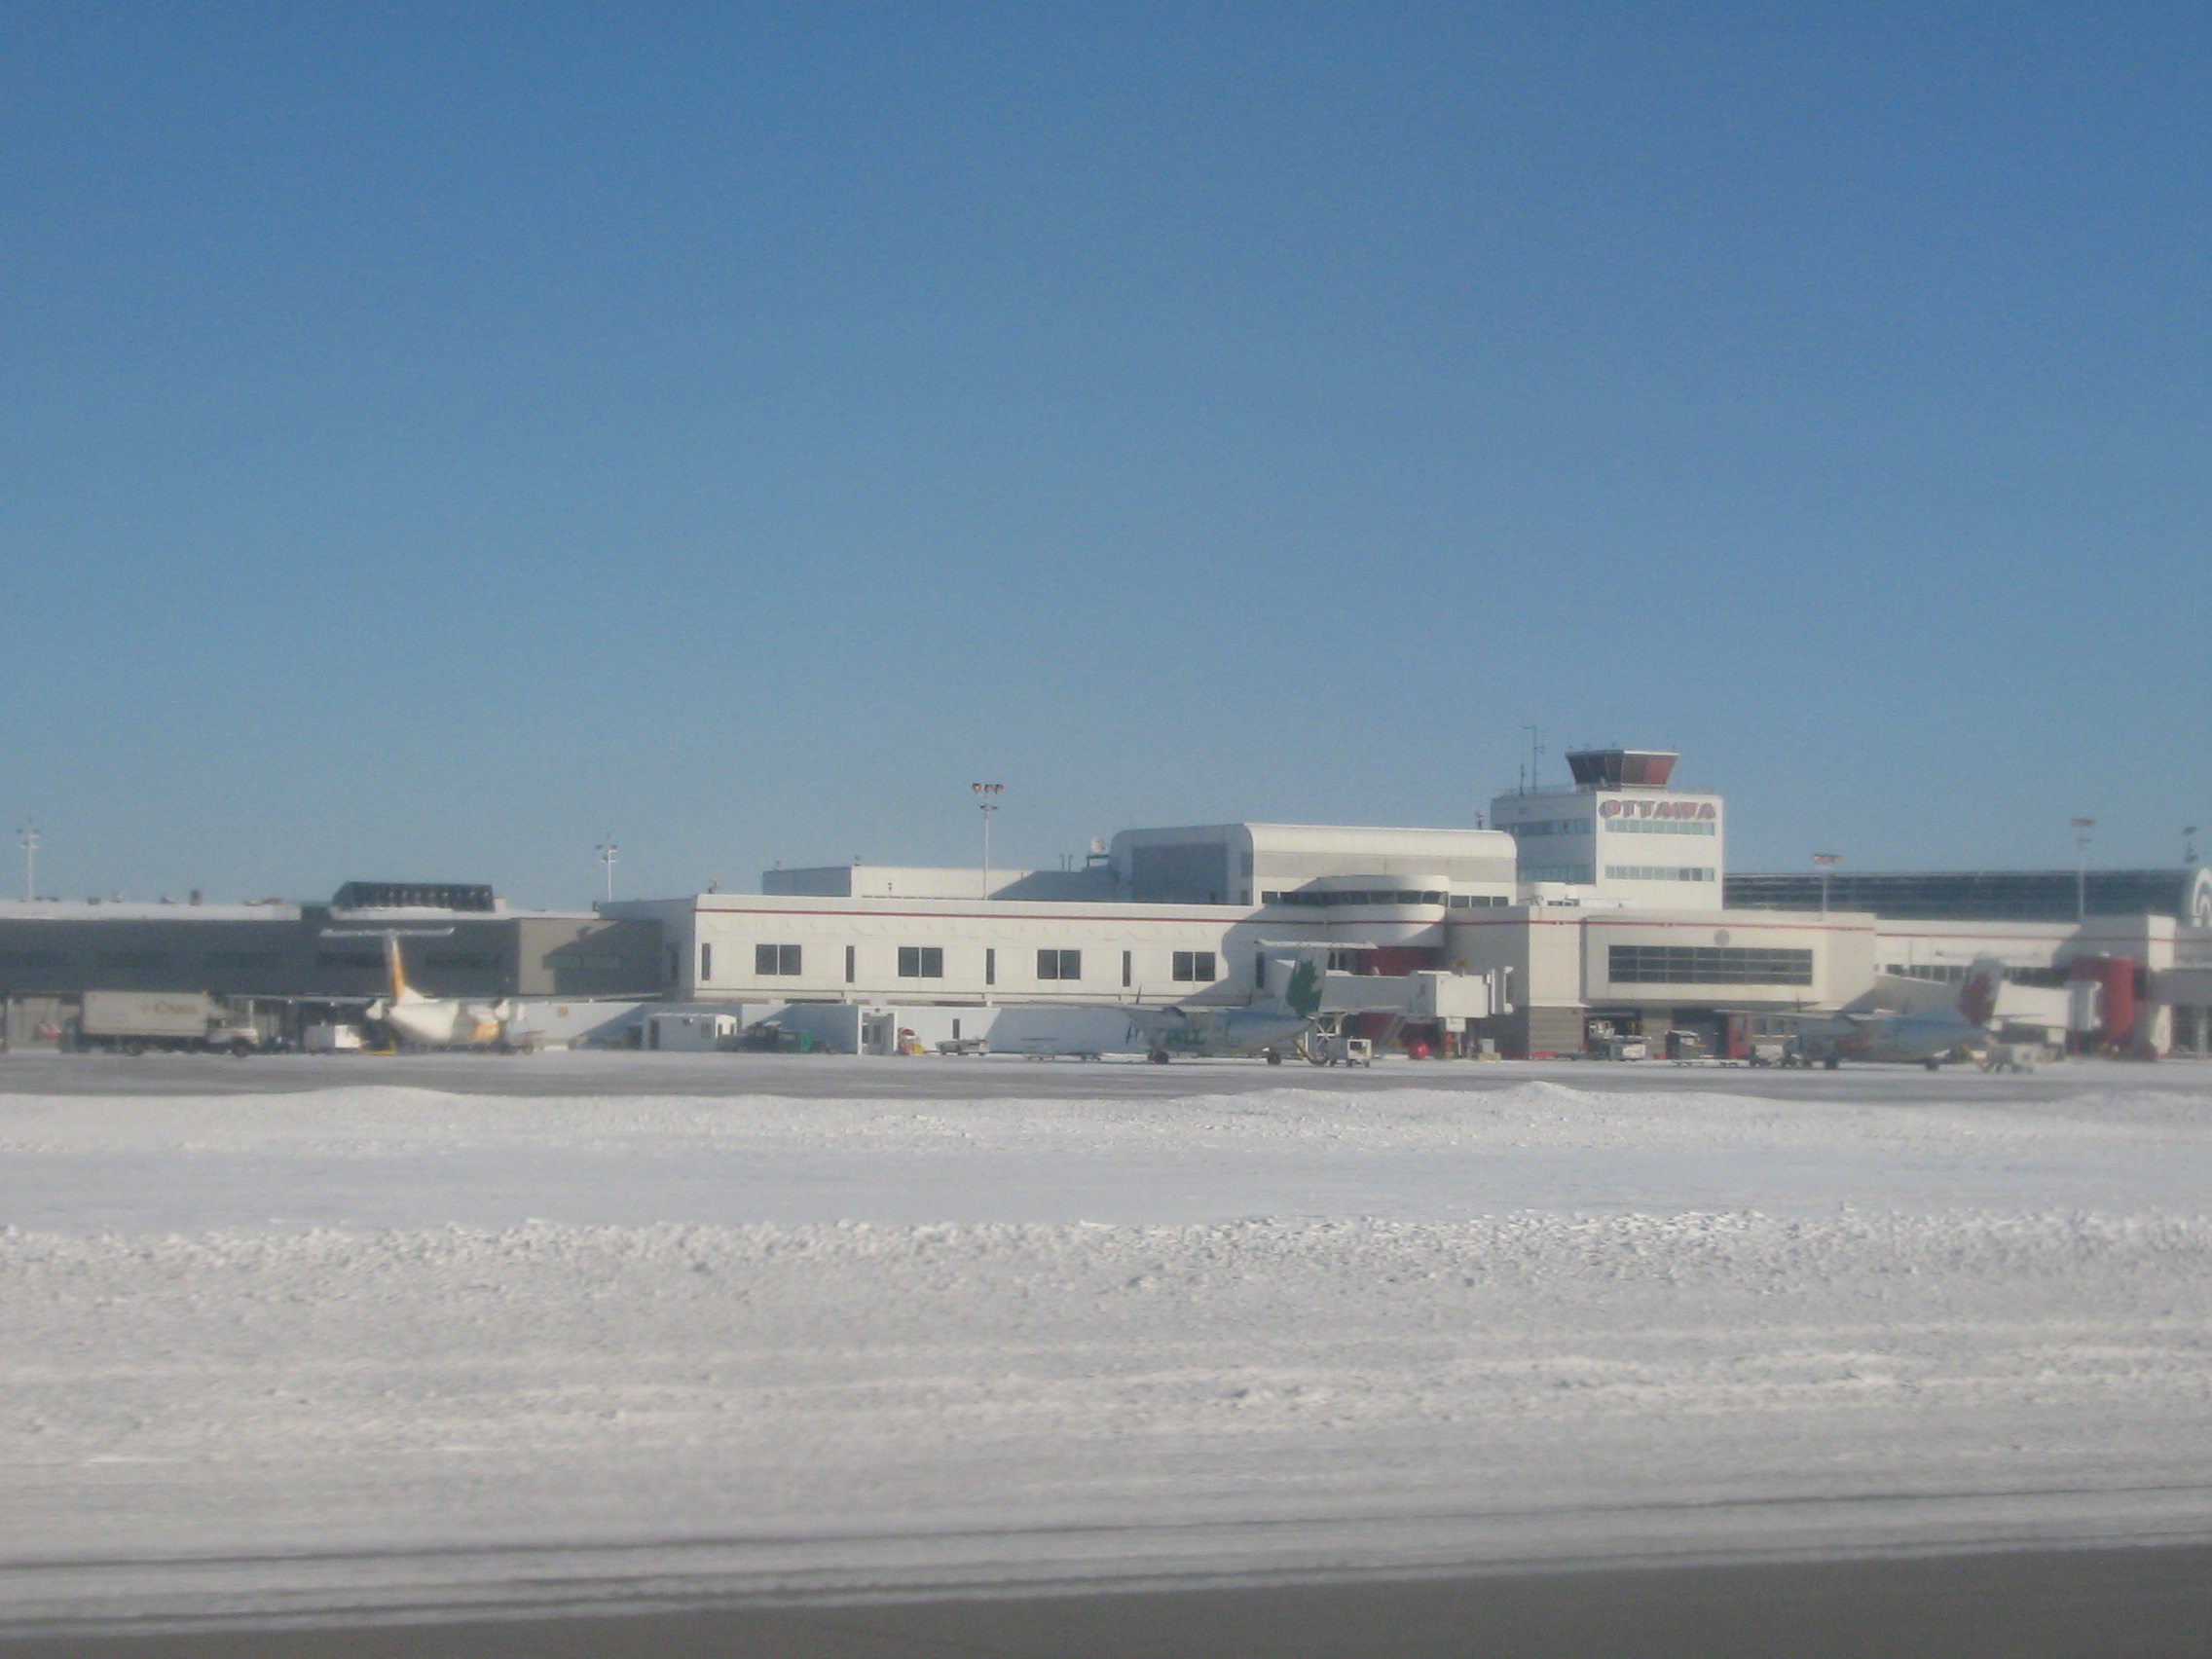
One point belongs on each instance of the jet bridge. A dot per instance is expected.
(1422, 996)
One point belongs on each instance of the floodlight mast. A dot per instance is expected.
(609, 849)
(30, 836)
(987, 802)
(1827, 862)
(2081, 828)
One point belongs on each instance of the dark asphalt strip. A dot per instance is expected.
(2141, 1603)
(801, 1077)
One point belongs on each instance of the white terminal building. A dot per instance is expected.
(1587, 912)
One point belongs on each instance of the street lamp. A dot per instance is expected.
(2081, 828)
(1826, 863)
(608, 851)
(30, 836)
(987, 802)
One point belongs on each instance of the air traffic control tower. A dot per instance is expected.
(1619, 835)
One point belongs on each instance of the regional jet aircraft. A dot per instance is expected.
(1928, 1038)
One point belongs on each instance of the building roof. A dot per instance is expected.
(1985, 895)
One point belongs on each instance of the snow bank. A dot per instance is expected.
(210, 1414)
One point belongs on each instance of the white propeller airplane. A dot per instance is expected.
(1905, 1038)
(433, 1022)
(1273, 1026)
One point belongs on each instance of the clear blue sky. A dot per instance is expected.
(434, 436)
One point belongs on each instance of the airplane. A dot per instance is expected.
(1903, 1038)
(435, 1023)
(1271, 1027)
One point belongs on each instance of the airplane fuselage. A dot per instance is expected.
(1901, 1040)
(437, 1022)
(1220, 1032)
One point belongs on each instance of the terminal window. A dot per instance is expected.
(244, 962)
(1059, 965)
(1658, 872)
(1322, 898)
(1578, 875)
(777, 959)
(1707, 965)
(136, 961)
(1196, 967)
(921, 962)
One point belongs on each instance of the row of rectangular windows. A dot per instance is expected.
(1324, 898)
(1658, 872)
(1707, 965)
(927, 962)
(1953, 973)
(1622, 825)
(245, 961)
(1578, 874)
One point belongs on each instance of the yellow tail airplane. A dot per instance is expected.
(434, 1022)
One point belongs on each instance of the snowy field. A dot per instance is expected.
(287, 1336)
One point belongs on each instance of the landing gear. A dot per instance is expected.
(1831, 1062)
(1934, 1062)
(1274, 1056)
(1159, 1056)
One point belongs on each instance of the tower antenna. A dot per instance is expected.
(609, 849)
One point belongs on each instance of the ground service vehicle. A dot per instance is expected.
(132, 1022)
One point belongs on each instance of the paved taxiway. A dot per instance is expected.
(849, 1077)
(2143, 1602)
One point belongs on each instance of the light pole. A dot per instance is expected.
(30, 836)
(2081, 828)
(609, 849)
(987, 802)
(1826, 861)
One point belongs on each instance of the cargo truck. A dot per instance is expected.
(130, 1022)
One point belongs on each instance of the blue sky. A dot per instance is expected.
(437, 436)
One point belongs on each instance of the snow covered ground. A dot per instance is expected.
(592, 1327)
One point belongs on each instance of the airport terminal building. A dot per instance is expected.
(1596, 911)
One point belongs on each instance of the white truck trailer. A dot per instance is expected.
(130, 1022)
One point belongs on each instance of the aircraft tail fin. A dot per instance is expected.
(1978, 992)
(1300, 992)
(401, 990)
